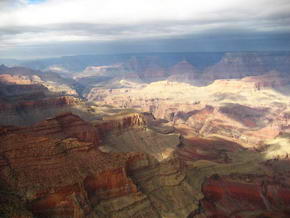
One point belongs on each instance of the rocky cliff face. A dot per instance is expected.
(58, 170)
(120, 122)
(239, 65)
(28, 96)
(219, 150)
(22, 76)
(155, 67)
(57, 167)
(260, 196)
(248, 110)
(271, 80)
(183, 72)
(121, 167)
(48, 102)
(27, 112)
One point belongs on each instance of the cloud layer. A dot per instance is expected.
(23, 23)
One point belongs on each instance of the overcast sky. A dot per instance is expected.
(43, 28)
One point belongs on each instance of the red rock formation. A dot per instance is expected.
(48, 102)
(225, 197)
(74, 127)
(206, 149)
(120, 122)
(14, 79)
(109, 184)
(57, 168)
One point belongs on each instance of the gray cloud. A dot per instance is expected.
(224, 40)
(262, 25)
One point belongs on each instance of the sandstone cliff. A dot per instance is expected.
(57, 170)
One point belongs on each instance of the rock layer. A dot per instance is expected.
(57, 168)
(225, 197)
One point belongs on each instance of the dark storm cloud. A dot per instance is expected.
(259, 24)
(226, 41)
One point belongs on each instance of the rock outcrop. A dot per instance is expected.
(28, 111)
(239, 65)
(164, 149)
(156, 66)
(249, 111)
(245, 195)
(57, 169)
(11, 77)
(183, 72)
(271, 80)
(28, 96)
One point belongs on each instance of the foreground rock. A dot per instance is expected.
(246, 196)
(57, 170)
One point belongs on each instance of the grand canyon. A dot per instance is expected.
(144, 109)
(188, 134)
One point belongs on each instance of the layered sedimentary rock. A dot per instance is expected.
(28, 96)
(183, 72)
(216, 150)
(239, 65)
(26, 77)
(30, 104)
(120, 122)
(28, 111)
(67, 167)
(153, 72)
(270, 80)
(219, 150)
(250, 110)
(231, 181)
(9, 79)
(56, 166)
(58, 170)
(246, 196)
(196, 68)
(153, 67)
(119, 136)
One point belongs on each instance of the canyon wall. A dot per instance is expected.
(57, 169)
